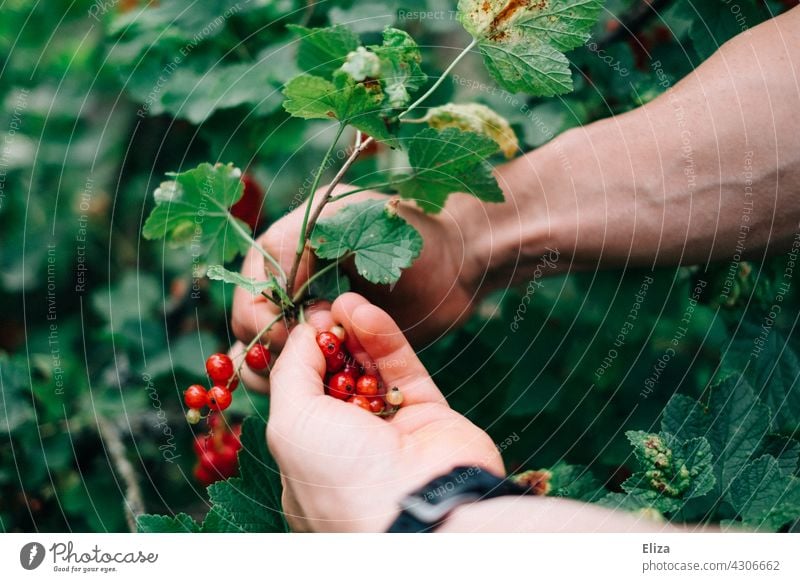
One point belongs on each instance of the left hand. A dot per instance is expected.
(344, 469)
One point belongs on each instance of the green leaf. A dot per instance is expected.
(191, 211)
(737, 425)
(448, 161)
(181, 523)
(671, 471)
(765, 497)
(522, 43)
(712, 27)
(16, 406)
(330, 285)
(323, 50)
(251, 503)
(400, 69)
(220, 273)
(195, 96)
(382, 242)
(477, 118)
(684, 417)
(311, 97)
(259, 470)
(773, 369)
(574, 482)
(785, 450)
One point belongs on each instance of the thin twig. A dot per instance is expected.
(134, 506)
(312, 221)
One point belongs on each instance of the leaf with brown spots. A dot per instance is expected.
(523, 41)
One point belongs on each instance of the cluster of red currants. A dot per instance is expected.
(346, 379)
(224, 380)
(217, 451)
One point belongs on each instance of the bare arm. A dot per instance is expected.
(711, 164)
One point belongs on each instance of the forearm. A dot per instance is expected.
(547, 515)
(708, 170)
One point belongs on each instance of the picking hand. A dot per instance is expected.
(344, 469)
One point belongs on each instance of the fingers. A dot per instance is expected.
(374, 338)
(296, 377)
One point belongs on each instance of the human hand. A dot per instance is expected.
(344, 469)
(422, 303)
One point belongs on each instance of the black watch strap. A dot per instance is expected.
(426, 508)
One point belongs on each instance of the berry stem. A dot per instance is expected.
(237, 228)
(302, 289)
(253, 342)
(308, 225)
(310, 219)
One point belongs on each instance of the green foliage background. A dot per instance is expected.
(101, 330)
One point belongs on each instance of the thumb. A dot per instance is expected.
(297, 375)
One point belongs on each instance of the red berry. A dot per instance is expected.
(195, 396)
(248, 208)
(219, 398)
(367, 385)
(257, 358)
(226, 461)
(341, 386)
(361, 401)
(204, 475)
(219, 368)
(353, 368)
(232, 384)
(329, 343)
(339, 332)
(376, 405)
(336, 362)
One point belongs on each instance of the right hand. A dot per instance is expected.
(435, 294)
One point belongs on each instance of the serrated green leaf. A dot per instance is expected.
(448, 161)
(737, 425)
(382, 242)
(311, 97)
(671, 471)
(220, 273)
(330, 285)
(181, 523)
(476, 118)
(785, 450)
(323, 50)
(684, 417)
(400, 69)
(241, 506)
(773, 369)
(189, 212)
(259, 470)
(522, 43)
(574, 482)
(765, 497)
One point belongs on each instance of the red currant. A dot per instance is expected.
(394, 397)
(195, 396)
(361, 401)
(339, 332)
(336, 362)
(225, 461)
(329, 343)
(193, 416)
(204, 475)
(376, 405)
(352, 367)
(341, 386)
(257, 358)
(219, 398)
(232, 384)
(219, 368)
(367, 385)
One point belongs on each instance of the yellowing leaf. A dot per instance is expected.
(476, 118)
